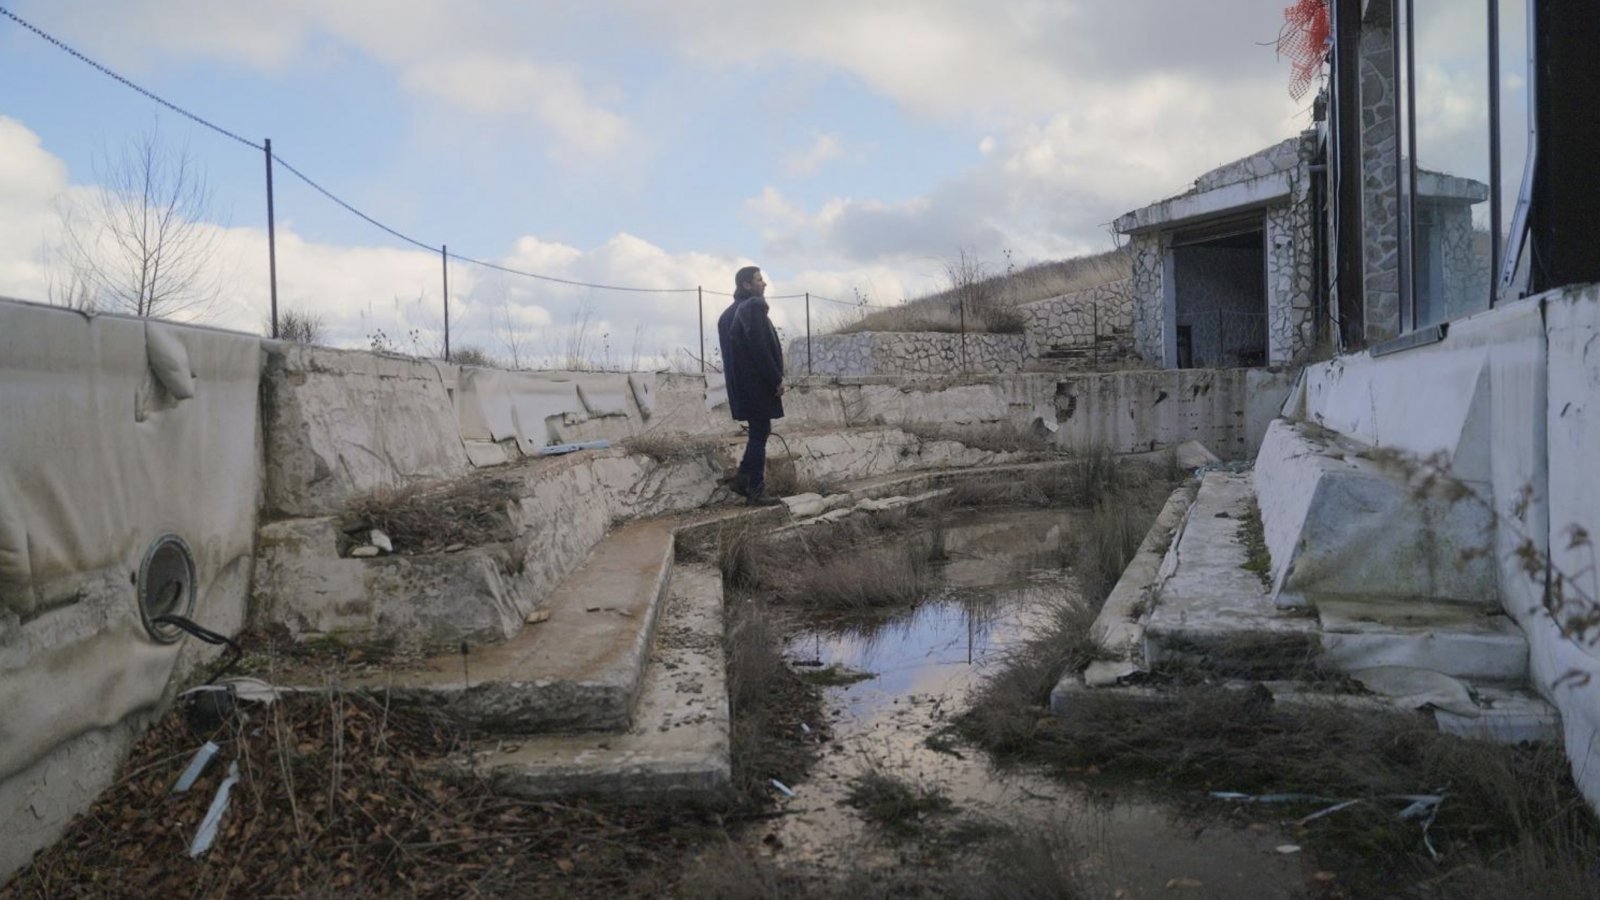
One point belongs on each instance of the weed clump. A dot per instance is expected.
(768, 703)
(666, 448)
(894, 804)
(430, 518)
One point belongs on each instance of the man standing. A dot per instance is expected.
(752, 366)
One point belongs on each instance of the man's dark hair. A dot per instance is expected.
(741, 278)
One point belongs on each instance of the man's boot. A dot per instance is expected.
(760, 497)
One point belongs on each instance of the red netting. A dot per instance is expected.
(1304, 40)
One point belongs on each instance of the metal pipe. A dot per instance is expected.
(700, 295)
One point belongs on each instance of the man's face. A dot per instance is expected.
(758, 284)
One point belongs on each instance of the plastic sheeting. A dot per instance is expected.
(113, 432)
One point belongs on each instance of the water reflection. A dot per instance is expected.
(1002, 577)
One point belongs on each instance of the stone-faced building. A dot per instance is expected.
(1225, 273)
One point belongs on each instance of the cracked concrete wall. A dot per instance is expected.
(113, 432)
(557, 511)
(341, 423)
(1507, 401)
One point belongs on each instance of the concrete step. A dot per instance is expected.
(1209, 607)
(677, 746)
(1466, 640)
(581, 668)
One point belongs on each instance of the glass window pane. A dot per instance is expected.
(1450, 252)
(1514, 111)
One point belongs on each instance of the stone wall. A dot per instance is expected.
(1292, 270)
(897, 353)
(1283, 156)
(1148, 251)
(1082, 329)
(1380, 212)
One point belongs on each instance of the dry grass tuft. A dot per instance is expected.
(938, 312)
(895, 576)
(768, 702)
(664, 448)
(429, 518)
(894, 804)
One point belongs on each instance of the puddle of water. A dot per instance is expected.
(1000, 578)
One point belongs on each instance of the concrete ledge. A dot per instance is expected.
(677, 749)
(580, 669)
(1118, 630)
(1464, 640)
(1341, 519)
(1209, 605)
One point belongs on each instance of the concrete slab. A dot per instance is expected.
(1209, 605)
(1465, 640)
(677, 748)
(1505, 716)
(578, 670)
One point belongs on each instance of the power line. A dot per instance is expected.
(114, 76)
(348, 207)
(604, 287)
(363, 216)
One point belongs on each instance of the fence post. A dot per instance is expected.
(962, 305)
(1094, 339)
(700, 297)
(444, 264)
(272, 244)
(808, 333)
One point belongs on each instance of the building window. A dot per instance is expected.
(1462, 145)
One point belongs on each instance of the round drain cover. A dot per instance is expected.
(166, 586)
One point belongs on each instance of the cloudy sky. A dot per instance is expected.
(847, 146)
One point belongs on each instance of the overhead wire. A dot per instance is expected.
(114, 76)
(370, 220)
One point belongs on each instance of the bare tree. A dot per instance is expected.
(509, 334)
(142, 244)
(300, 327)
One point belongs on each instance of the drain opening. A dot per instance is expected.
(166, 586)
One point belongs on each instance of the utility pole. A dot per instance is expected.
(272, 244)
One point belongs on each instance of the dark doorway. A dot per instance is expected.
(1220, 299)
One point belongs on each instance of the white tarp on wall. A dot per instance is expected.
(113, 432)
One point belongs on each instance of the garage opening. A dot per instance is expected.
(1220, 296)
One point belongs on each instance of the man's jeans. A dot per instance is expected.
(753, 468)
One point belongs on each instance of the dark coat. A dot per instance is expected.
(752, 360)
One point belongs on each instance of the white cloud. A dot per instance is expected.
(473, 55)
(516, 89)
(803, 163)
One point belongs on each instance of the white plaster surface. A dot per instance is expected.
(100, 455)
(1340, 521)
(676, 749)
(1508, 398)
(1206, 598)
(340, 423)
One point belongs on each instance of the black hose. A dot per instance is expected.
(207, 635)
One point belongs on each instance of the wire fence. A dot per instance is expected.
(274, 162)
